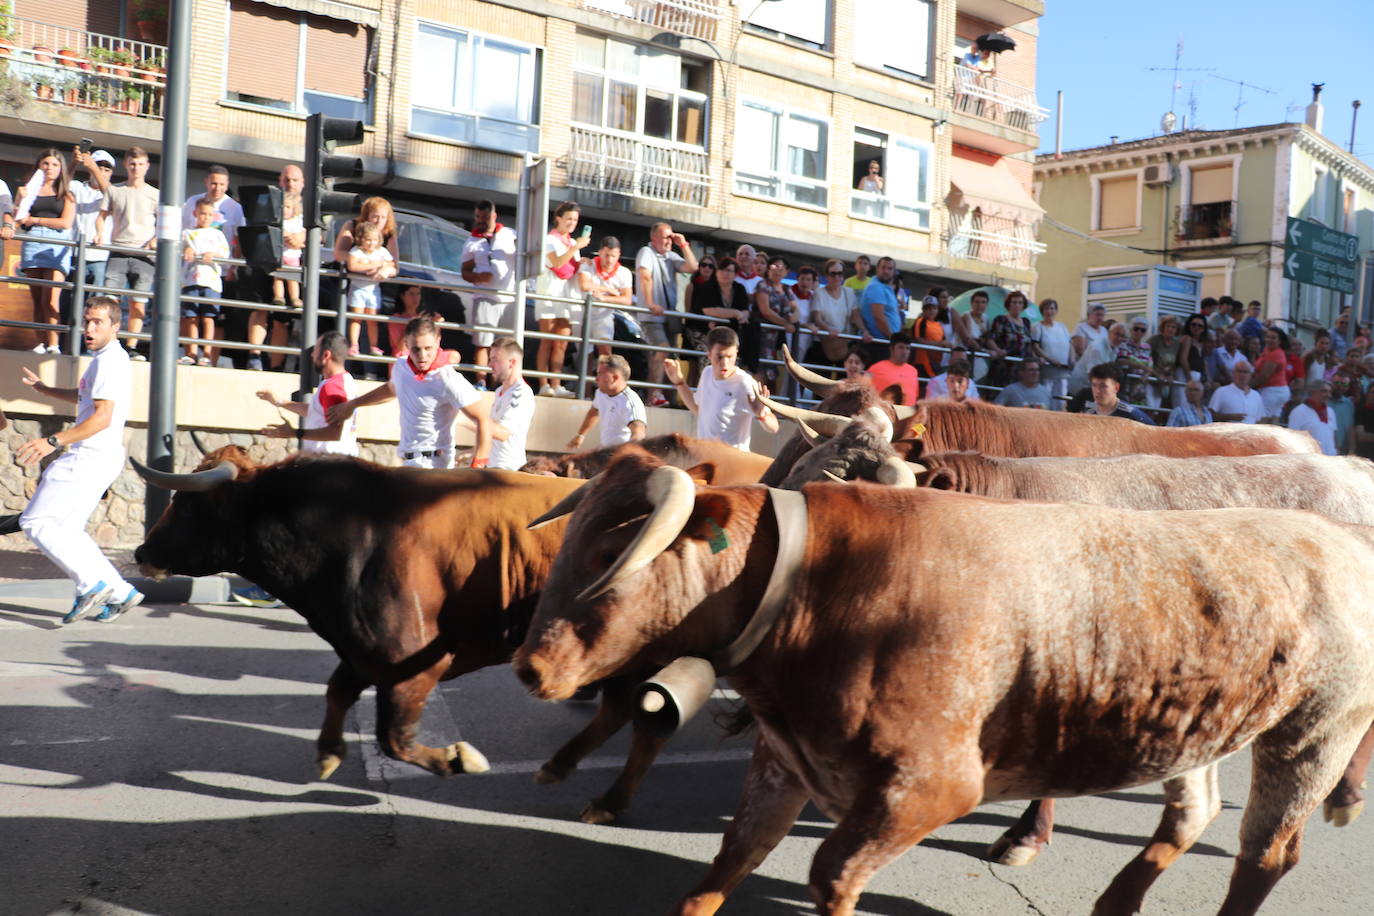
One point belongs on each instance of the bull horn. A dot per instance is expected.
(879, 419)
(673, 494)
(195, 482)
(812, 437)
(564, 506)
(895, 473)
(917, 468)
(827, 424)
(195, 440)
(835, 477)
(903, 412)
(819, 384)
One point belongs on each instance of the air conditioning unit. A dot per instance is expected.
(1159, 173)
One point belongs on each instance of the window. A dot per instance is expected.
(475, 89)
(894, 36)
(1211, 202)
(904, 168)
(806, 21)
(781, 154)
(639, 89)
(280, 58)
(1116, 202)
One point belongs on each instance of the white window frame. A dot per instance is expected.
(298, 107)
(641, 90)
(1096, 213)
(859, 198)
(1319, 205)
(473, 35)
(778, 174)
(1188, 165)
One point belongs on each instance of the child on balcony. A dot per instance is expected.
(201, 277)
(368, 264)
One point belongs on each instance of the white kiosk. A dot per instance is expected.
(1151, 291)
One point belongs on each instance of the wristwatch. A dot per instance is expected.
(52, 440)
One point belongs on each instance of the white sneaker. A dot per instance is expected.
(40, 349)
(54, 351)
(546, 390)
(561, 392)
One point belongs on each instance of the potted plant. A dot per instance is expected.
(131, 102)
(153, 69)
(100, 58)
(150, 18)
(43, 75)
(7, 34)
(120, 62)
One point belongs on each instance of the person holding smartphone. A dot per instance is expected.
(562, 258)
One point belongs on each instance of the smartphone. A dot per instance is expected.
(85, 145)
(586, 230)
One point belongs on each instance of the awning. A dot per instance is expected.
(331, 9)
(993, 189)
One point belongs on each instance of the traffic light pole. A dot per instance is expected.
(310, 306)
(166, 311)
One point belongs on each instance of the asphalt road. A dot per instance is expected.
(163, 764)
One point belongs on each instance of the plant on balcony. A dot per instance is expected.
(120, 61)
(150, 17)
(7, 30)
(101, 58)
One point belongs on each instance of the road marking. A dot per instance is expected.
(615, 763)
(20, 742)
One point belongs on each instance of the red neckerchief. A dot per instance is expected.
(806, 298)
(1321, 411)
(605, 278)
(740, 276)
(495, 228)
(440, 361)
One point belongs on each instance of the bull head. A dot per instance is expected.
(194, 482)
(823, 387)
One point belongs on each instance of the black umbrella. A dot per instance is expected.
(996, 42)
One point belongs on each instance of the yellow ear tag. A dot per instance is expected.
(917, 430)
(718, 540)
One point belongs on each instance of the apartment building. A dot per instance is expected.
(751, 122)
(1217, 202)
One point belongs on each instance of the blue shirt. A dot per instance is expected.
(1122, 410)
(1188, 415)
(879, 293)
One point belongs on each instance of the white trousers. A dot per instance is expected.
(441, 462)
(56, 517)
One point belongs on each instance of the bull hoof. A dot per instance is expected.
(1004, 852)
(469, 758)
(328, 764)
(595, 814)
(549, 775)
(1343, 815)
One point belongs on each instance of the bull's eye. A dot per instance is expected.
(608, 557)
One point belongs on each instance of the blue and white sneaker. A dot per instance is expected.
(84, 604)
(114, 608)
(255, 596)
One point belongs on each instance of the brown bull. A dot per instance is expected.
(731, 465)
(412, 576)
(898, 701)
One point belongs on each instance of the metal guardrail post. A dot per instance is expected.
(73, 347)
(583, 348)
(167, 303)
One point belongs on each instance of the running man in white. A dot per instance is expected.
(617, 406)
(726, 401)
(430, 394)
(336, 387)
(56, 517)
(513, 407)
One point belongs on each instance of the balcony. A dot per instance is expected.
(993, 240)
(994, 99)
(1003, 13)
(52, 65)
(1200, 225)
(637, 166)
(696, 18)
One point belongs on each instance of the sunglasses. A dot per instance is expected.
(834, 273)
(707, 264)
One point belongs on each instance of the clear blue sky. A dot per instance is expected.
(1097, 52)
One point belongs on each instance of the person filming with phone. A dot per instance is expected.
(562, 258)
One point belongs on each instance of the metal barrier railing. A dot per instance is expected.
(520, 298)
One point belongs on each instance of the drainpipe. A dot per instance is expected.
(1164, 214)
(1059, 125)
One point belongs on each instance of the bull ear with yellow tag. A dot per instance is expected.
(916, 430)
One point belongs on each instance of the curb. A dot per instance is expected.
(172, 590)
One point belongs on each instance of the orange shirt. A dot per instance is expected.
(886, 373)
(928, 332)
(1279, 358)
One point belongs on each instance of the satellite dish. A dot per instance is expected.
(1168, 122)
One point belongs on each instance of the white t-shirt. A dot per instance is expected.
(429, 406)
(6, 199)
(1230, 399)
(617, 413)
(749, 283)
(494, 255)
(370, 259)
(108, 378)
(1054, 340)
(90, 201)
(832, 313)
(228, 215)
(197, 272)
(938, 387)
(723, 408)
(1305, 419)
(549, 283)
(1091, 334)
(513, 409)
(337, 389)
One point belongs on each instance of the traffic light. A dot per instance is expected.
(260, 239)
(322, 135)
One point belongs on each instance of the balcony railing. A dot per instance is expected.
(995, 99)
(994, 241)
(697, 18)
(84, 70)
(599, 160)
(1208, 223)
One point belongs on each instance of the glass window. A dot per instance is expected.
(477, 89)
(647, 91)
(781, 154)
(894, 36)
(807, 21)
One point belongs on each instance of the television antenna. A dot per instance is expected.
(1240, 93)
(1175, 86)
